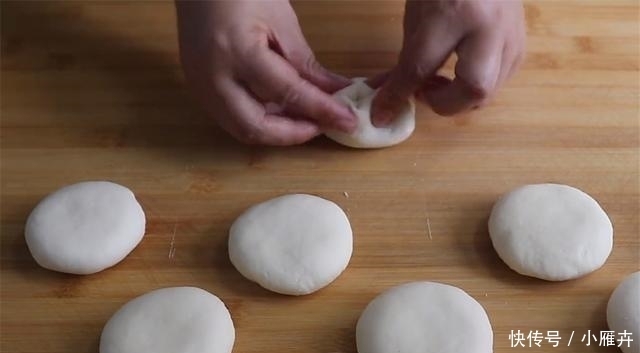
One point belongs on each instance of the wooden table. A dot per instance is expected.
(93, 90)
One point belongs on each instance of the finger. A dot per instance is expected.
(431, 84)
(422, 55)
(312, 71)
(273, 79)
(512, 55)
(517, 63)
(296, 50)
(521, 44)
(249, 123)
(477, 72)
(376, 81)
(509, 57)
(284, 131)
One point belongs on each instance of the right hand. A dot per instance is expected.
(250, 66)
(488, 37)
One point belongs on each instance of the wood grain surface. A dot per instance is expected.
(93, 90)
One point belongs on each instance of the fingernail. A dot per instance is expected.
(382, 118)
(344, 119)
(346, 125)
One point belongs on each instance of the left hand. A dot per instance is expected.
(251, 68)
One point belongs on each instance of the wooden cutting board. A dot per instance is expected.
(93, 90)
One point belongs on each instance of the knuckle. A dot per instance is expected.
(310, 64)
(483, 14)
(292, 94)
(304, 60)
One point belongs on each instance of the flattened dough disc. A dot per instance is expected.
(293, 244)
(551, 231)
(424, 317)
(170, 320)
(85, 228)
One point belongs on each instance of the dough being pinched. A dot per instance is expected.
(358, 97)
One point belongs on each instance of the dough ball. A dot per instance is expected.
(550, 231)
(85, 227)
(170, 320)
(292, 244)
(424, 317)
(623, 312)
(359, 97)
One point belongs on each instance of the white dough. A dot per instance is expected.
(623, 312)
(424, 317)
(359, 97)
(85, 228)
(551, 231)
(293, 244)
(170, 320)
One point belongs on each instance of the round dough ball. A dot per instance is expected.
(170, 320)
(293, 244)
(423, 317)
(85, 227)
(550, 231)
(359, 97)
(623, 312)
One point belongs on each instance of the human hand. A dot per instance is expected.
(253, 71)
(488, 37)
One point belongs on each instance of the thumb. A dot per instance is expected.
(392, 97)
(424, 51)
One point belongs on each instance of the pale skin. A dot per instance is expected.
(250, 66)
